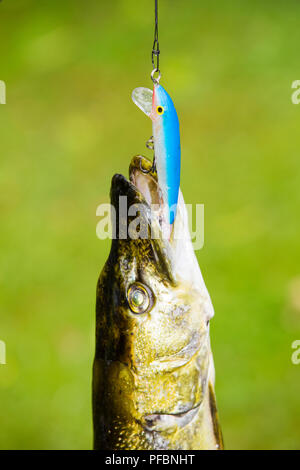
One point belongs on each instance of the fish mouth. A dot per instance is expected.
(144, 177)
(140, 196)
(171, 245)
(170, 422)
(142, 186)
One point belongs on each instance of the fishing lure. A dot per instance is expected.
(159, 106)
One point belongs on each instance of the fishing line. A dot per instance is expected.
(155, 69)
(155, 48)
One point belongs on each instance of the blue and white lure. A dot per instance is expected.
(158, 105)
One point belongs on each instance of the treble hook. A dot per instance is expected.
(150, 146)
(151, 170)
(150, 143)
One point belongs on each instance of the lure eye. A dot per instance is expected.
(160, 110)
(139, 298)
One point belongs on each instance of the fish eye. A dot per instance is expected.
(160, 110)
(139, 298)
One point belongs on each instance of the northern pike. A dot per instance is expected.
(153, 374)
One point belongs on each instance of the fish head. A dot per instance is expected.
(152, 311)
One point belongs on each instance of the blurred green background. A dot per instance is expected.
(69, 125)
